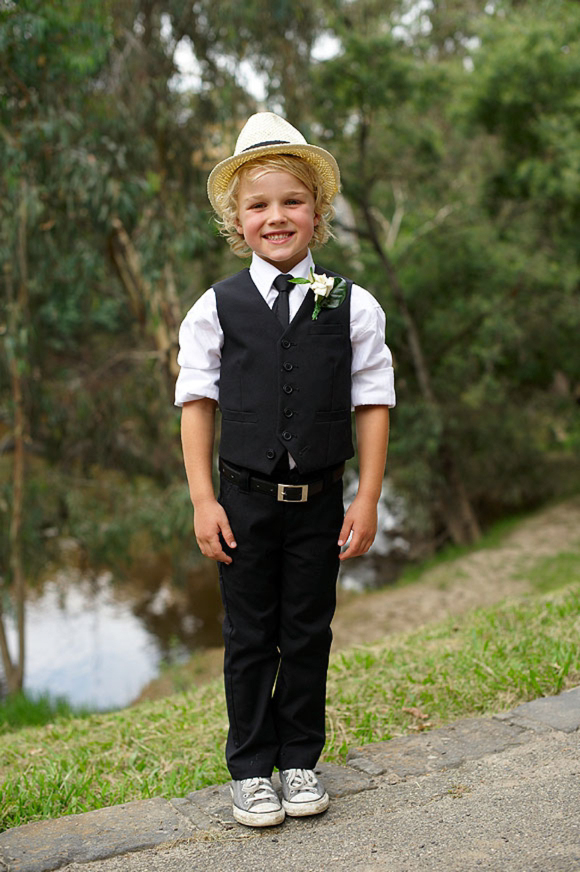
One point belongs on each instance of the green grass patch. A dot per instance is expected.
(167, 747)
(484, 662)
(23, 710)
(552, 573)
(481, 663)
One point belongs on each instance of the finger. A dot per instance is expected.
(218, 553)
(226, 531)
(212, 548)
(358, 545)
(351, 549)
(344, 532)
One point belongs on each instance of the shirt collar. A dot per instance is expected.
(263, 273)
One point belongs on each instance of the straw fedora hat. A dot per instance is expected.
(266, 133)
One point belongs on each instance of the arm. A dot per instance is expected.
(372, 431)
(209, 518)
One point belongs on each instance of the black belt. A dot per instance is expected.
(284, 493)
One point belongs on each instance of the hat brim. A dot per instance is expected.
(322, 160)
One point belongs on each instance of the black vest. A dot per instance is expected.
(283, 389)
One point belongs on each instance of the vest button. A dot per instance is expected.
(287, 389)
(288, 367)
(288, 413)
(287, 435)
(270, 454)
(286, 344)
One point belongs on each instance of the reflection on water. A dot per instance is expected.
(98, 643)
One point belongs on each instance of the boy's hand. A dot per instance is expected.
(361, 521)
(209, 520)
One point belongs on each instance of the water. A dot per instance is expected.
(84, 644)
(98, 643)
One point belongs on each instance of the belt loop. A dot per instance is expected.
(244, 484)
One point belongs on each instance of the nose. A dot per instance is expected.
(276, 213)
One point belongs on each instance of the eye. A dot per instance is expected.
(257, 205)
(294, 202)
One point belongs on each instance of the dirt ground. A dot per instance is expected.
(474, 580)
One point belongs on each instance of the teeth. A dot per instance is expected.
(276, 236)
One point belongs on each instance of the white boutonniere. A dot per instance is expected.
(329, 291)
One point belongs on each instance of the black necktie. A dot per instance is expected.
(281, 305)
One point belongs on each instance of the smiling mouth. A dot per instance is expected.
(278, 237)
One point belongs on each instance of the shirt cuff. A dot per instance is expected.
(190, 386)
(370, 390)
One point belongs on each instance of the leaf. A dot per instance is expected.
(336, 296)
(416, 713)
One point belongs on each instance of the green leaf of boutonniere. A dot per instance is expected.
(336, 296)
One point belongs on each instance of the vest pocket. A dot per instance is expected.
(328, 417)
(239, 417)
(326, 328)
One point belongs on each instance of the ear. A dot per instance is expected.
(238, 226)
(316, 219)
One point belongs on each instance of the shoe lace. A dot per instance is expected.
(301, 779)
(257, 790)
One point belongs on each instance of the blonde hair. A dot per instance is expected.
(227, 202)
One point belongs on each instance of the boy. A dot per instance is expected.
(286, 368)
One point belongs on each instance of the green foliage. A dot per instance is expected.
(116, 520)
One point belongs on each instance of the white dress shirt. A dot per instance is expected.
(201, 339)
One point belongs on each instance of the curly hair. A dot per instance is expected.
(227, 202)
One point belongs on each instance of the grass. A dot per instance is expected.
(483, 662)
(551, 573)
(23, 710)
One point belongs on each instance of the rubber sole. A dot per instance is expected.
(255, 819)
(303, 809)
(258, 819)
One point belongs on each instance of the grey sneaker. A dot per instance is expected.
(256, 803)
(302, 792)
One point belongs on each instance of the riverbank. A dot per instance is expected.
(472, 664)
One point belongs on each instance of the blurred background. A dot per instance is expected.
(457, 128)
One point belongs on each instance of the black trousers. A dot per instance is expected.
(279, 597)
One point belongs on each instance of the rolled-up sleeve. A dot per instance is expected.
(200, 344)
(373, 381)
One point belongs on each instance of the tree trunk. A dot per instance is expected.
(155, 308)
(458, 514)
(14, 668)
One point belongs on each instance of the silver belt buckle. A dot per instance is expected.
(283, 498)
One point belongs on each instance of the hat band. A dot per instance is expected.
(270, 142)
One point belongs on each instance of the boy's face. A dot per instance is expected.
(276, 216)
